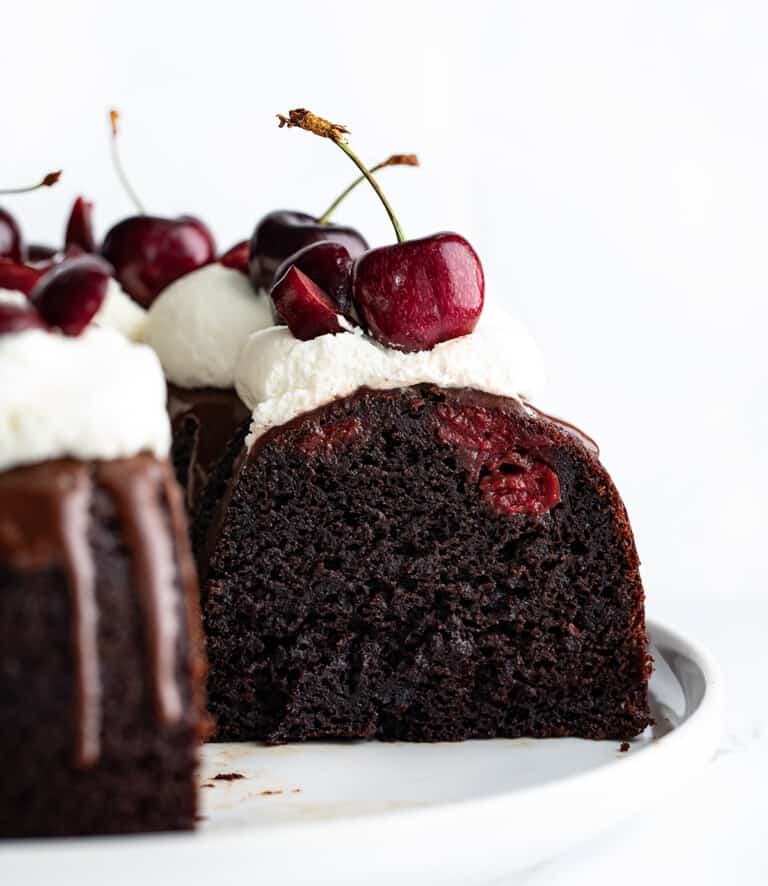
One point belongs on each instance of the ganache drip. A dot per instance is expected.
(45, 519)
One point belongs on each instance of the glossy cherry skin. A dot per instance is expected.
(237, 257)
(304, 306)
(149, 253)
(11, 241)
(416, 294)
(329, 265)
(79, 230)
(284, 232)
(69, 296)
(19, 318)
(18, 277)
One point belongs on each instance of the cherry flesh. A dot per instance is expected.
(18, 277)
(282, 233)
(148, 253)
(329, 265)
(69, 296)
(304, 306)
(237, 257)
(505, 464)
(79, 230)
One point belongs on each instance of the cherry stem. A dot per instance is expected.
(304, 119)
(394, 160)
(47, 181)
(118, 165)
(375, 185)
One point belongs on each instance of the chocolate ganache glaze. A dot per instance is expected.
(203, 420)
(45, 521)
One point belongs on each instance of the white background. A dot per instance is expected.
(608, 161)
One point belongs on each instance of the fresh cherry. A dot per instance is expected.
(79, 230)
(237, 257)
(148, 253)
(284, 232)
(304, 306)
(39, 252)
(11, 241)
(18, 277)
(19, 318)
(414, 294)
(329, 265)
(69, 296)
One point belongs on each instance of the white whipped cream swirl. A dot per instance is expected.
(92, 396)
(279, 377)
(198, 324)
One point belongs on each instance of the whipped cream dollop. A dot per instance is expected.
(279, 377)
(198, 324)
(92, 396)
(119, 311)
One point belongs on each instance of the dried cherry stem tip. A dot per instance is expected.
(394, 160)
(47, 181)
(301, 118)
(114, 117)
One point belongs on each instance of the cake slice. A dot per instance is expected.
(101, 661)
(399, 551)
(400, 546)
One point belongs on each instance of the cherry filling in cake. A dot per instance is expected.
(422, 564)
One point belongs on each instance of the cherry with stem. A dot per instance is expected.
(413, 294)
(149, 252)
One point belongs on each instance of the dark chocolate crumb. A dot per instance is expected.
(208, 786)
(271, 793)
(228, 776)
(295, 790)
(624, 747)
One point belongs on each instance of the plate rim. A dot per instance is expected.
(703, 723)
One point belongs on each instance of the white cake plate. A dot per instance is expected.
(361, 813)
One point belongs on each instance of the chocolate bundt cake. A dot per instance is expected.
(197, 325)
(397, 551)
(101, 660)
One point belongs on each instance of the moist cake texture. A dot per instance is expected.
(420, 564)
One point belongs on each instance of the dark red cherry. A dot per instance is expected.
(304, 306)
(19, 318)
(329, 265)
(415, 294)
(79, 230)
(11, 241)
(71, 293)
(39, 252)
(17, 276)
(237, 257)
(148, 253)
(284, 232)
